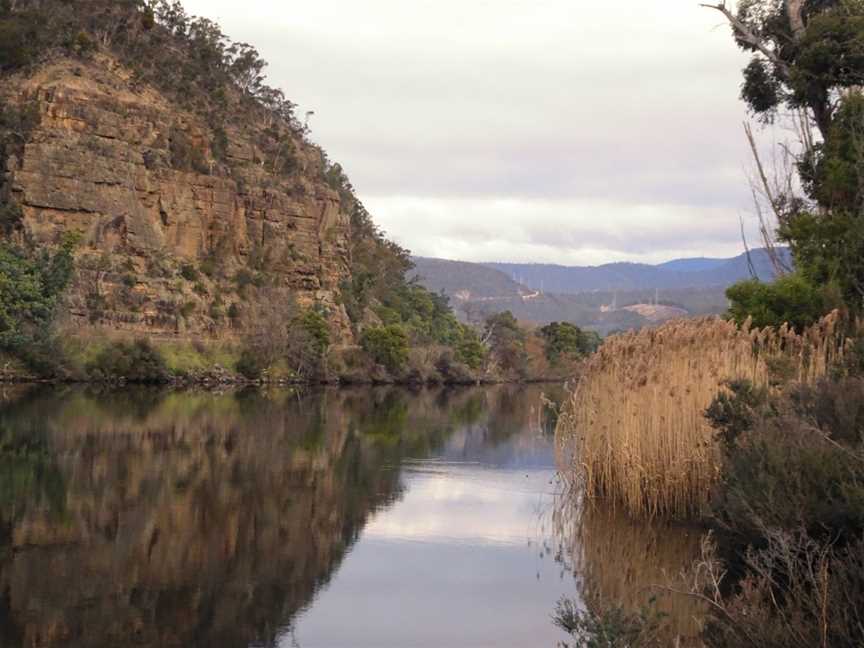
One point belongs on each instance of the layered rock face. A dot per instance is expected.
(183, 225)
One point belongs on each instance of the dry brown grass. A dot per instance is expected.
(636, 419)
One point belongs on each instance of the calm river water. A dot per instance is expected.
(341, 518)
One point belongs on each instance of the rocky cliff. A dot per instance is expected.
(184, 225)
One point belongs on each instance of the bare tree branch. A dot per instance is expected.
(776, 199)
(795, 11)
(751, 38)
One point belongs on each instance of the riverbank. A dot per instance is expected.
(193, 363)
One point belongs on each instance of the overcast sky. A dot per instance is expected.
(558, 131)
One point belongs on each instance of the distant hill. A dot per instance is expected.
(680, 273)
(692, 265)
(602, 298)
(470, 280)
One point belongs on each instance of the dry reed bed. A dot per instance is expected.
(636, 418)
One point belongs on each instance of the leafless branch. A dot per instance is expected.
(751, 38)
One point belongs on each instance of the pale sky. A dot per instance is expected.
(553, 131)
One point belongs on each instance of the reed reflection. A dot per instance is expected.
(622, 562)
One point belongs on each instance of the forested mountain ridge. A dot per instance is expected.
(679, 273)
(603, 298)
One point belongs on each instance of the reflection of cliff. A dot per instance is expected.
(189, 519)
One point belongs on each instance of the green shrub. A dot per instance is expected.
(791, 299)
(251, 365)
(31, 286)
(453, 370)
(797, 465)
(11, 218)
(735, 411)
(611, 627)
(317, 330)
(387, 345)
(188, 272)
(135, 362)
(563, 339)
(471, 352)
(187, 309)
(507, 342)
(209, 267)
(246, 278)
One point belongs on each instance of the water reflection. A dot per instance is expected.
(373, 517)
(623, 562)
(154, 518)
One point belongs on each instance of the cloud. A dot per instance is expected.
(534, 129)
(570, 232)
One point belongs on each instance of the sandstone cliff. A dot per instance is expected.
(184, 225)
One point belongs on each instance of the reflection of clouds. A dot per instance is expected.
(466, 505)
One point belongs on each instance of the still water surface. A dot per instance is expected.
(352, 518)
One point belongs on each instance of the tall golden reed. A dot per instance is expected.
(635, 421)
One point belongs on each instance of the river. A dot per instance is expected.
(327, 519)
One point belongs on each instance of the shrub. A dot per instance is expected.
(735, 410)
(251, 364)
(186, 155)
(790, 300)
(246, 278)
(507, 342)
(188, 272)
(563, 339)
(316, 328)
(208, 267)
(130, 280)
(31, 286)
(136, 362)
(789, 515)
(797, 592)
(187, 309)
(471, 352)
(611, 627)
(387, 345)
(10, 218)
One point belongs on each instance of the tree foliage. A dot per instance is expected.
(808, 55)
(31, 286)
(136, 362)
(564, 340)
(791, 299)
(387, 345)
(804, 54)
(506, 339)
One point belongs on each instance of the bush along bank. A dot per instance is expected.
(301, 351)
